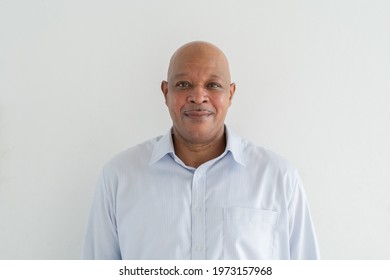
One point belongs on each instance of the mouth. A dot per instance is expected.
(197, 114)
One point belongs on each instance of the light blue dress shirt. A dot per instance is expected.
(248, 203)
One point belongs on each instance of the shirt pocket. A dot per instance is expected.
(249, 233)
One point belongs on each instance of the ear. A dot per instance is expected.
(232, 90)
(164, 89)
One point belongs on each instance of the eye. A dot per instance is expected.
(214, 85)
(183, 84)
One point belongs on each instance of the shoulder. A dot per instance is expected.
(136, 156)
(272, 166)
(256, 154)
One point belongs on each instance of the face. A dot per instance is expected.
(198, 93)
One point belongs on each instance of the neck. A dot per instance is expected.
(195, 154)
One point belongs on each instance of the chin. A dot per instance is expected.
(201, 133)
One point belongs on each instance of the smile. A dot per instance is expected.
(197, 114)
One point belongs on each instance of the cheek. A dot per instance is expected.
(222, 102)
(175, 103)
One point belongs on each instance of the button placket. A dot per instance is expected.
(198, 215)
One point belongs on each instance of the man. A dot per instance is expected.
(200, 191)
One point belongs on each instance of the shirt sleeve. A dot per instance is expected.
(101, 240)
(303, 241)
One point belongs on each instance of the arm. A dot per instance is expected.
(303, 241)
(101, 241)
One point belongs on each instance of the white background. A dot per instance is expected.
(80, 82)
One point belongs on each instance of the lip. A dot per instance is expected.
(197, 114)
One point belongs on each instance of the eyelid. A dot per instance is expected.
(186, 84)
(179, 84)
(215, 84)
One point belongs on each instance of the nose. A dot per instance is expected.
(198, 95)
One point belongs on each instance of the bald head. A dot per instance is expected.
(198, 53)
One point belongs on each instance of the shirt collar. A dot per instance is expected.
(164, 146)
(234, 144)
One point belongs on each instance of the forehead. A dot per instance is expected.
(204, 74)
(209, 64)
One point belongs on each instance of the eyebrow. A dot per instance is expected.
(179, 75)
(214, 76)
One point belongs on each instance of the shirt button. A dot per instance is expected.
(198, 209)
(199, 248)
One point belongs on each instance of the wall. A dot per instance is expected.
(80, 81)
